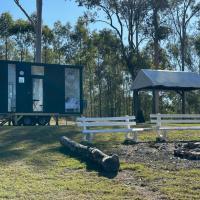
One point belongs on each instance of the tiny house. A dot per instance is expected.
(31, 93)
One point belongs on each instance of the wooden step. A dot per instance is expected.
(3, 121)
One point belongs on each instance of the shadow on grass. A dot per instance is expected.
(90, 166)
(12, 155)
(17, 143)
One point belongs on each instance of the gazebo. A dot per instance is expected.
(157, 80)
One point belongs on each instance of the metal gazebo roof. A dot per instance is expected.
(166, 80)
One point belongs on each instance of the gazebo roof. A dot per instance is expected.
(166, 80)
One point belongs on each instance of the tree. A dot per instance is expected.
(197, 47)
(22, 32)
(182, 14)
(125, 18)
(157, 28)
(37, 27)
(47, 39)
(6, 23)
(61, 41)
(157, 32)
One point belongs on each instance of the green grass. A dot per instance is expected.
(33, 165)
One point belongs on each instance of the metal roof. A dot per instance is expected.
(166, 80)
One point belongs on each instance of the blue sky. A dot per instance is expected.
(53, 10)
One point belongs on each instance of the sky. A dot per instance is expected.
(53, 10)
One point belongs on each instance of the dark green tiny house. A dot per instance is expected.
(33, 92)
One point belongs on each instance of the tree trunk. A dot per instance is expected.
(38, 45)
(135, 102)
(100, 99)
(6, 44)
(108, 163)
(183, 55)
(156, 38)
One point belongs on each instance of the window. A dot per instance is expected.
(37, 70)
(72, 90)
(11, 88)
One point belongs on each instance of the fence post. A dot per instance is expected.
(158, 125)
(128, 127)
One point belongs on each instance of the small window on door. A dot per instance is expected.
(37, 70)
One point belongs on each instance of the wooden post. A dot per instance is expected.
(183, 102)
(155, 108)
(135, 136)
(158, 125)
(128, 127)
(159, 120)
(57, 120)
(135, 102)
(88, 137)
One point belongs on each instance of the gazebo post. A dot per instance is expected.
(136, 102)
(183, 102)
(155, 107)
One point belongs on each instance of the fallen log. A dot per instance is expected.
(107, 163)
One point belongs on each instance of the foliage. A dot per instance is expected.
(139, 34)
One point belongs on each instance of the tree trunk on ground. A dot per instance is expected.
(108, 163)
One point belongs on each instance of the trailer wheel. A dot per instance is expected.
(28, 121)
(42, 121)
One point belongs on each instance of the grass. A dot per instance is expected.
(180, 184)
(33, 165)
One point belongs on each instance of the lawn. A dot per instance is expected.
(33, 165)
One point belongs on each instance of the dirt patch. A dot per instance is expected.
(145, 192)
(155, 155)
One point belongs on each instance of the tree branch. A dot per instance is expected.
(25, 13)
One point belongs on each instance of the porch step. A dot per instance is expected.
(4, 120)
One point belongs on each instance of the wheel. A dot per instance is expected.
(28, 121)
(42, 121)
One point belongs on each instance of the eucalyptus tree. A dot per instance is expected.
(125, 17)
(47, 41)
(37, 26)
(61, 41)
(6, 23)
(109, 72)
(79, 40)
(197, 48)
(183, 13)
(157, 28)
(22, 32)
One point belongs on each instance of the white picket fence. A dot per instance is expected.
(164, 122)
(108, 125)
